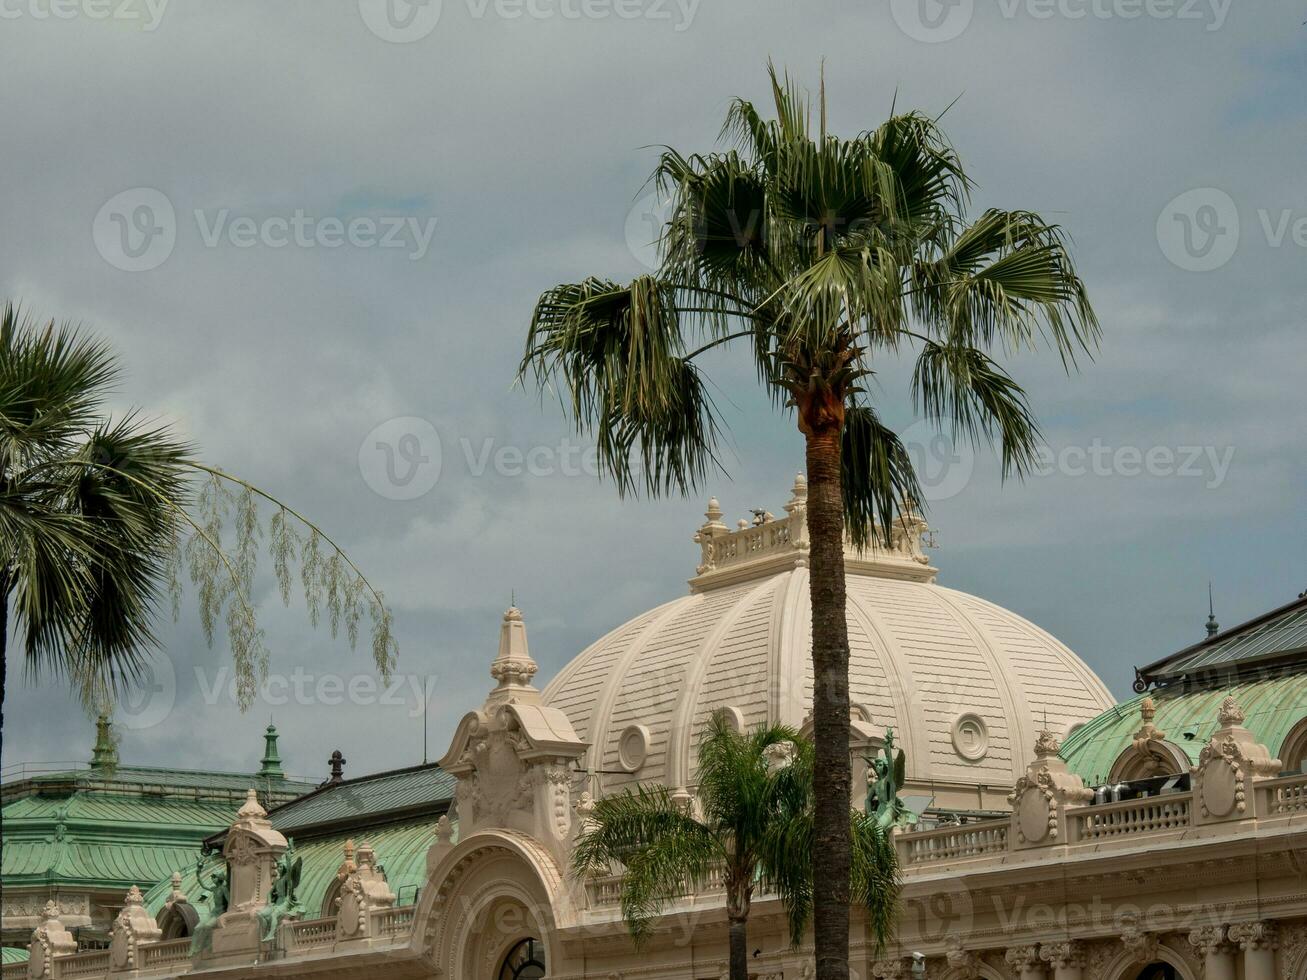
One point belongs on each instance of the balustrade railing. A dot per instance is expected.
(1153, 814)
(394, 921)
(165, 953)
(90, 964)
(13, 971)
(953, 843)
(310, 933)
(1279, 797)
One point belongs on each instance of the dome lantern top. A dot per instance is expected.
(770, 545)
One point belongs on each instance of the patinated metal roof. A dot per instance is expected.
(360, 800)
(13, 954)
(1276, 639)
(1188, 716)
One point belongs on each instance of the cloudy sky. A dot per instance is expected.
(300, 222)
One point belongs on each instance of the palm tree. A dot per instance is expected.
(754, 825)
(825, 257)
(93, 515)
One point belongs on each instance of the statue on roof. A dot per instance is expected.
(282, 903)
(216, 897)
(883, 791)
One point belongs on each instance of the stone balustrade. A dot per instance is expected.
(952, 844)
(1132, 818)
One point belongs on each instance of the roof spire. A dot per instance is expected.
(105, 753)
(1213, 627)
(270, 764)
(513, 667)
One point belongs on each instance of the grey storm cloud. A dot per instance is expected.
(350, 207)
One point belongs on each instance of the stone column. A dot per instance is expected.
(1258, 940)
(1026, 962)
(1067, 960)
(1217, 951)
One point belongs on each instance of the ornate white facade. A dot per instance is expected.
(1041, 881)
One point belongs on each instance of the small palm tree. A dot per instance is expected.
(97, 515)
(754, 828)
(826, 258)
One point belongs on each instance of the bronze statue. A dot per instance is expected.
(282, 903)
(883, 791)
(217, 895)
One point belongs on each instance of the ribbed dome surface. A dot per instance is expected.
(965, 684)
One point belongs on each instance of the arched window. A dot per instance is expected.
(1159, 758)
(1158, 971)
(177, 920)
(1293, 753)
(525, 961)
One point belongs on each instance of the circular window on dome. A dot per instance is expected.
(970, 737)
(633, 747)
(733, 717)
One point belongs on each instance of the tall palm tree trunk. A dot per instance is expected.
(821, 425)
(739, 945)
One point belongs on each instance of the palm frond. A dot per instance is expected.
(966, 390)
(879, 477)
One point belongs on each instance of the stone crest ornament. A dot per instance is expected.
(963, 964)
(49, 940)
(1227, 766)
(1041, 796)
(1141, 945)
(364, 891)
(132, 927)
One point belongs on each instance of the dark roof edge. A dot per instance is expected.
(323, 787)
(1157, 667)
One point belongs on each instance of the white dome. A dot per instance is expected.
(965, 684)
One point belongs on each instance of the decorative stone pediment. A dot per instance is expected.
(251, 850)
(1040, 798)
(513, 758)
(49, 940)
(364, 891)
(1228, 765)
(131, 928)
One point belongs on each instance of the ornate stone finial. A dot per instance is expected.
(367, 857)
(1148, 732)
(1046, 745)
(798, 493)
(682, 799)
(133, 897)
(337, 763)
(105, 753)
(513, 667)
(714, 511)
(270, 764)
(50, 940)
(444, 830)
(250, 809)
(50, 913)
(1231, 714)
(176, 895)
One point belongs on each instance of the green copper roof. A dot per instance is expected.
(13, 954)
(1273, 707)
(358, 800)
(401, 849)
